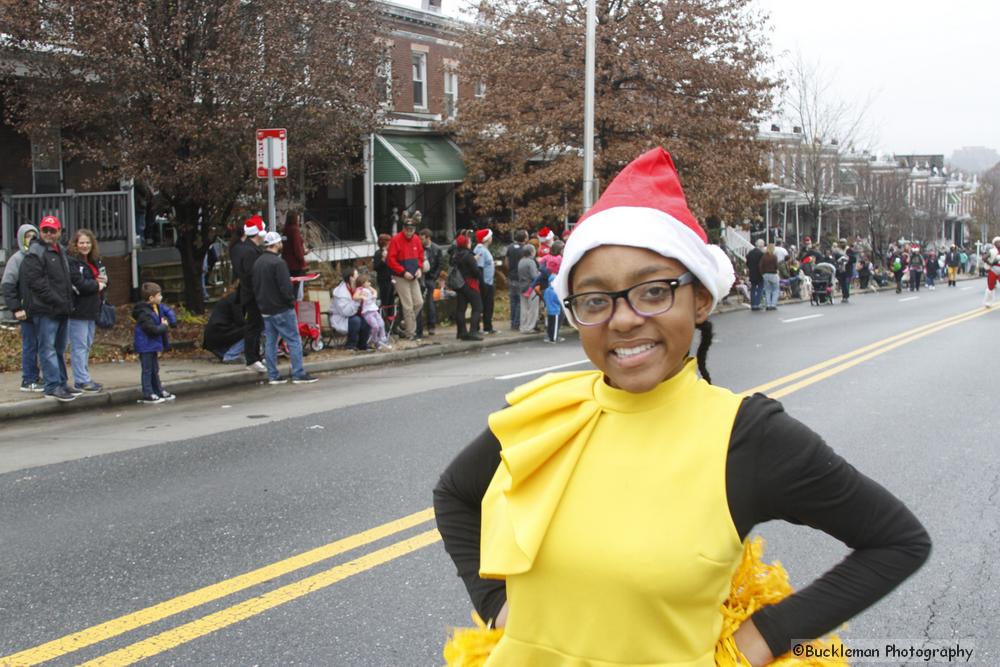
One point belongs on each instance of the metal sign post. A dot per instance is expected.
(272, 162)
(588, 109)
(272, 223)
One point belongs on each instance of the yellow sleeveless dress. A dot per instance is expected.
(609, 521)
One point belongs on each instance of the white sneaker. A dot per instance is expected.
(257, 366)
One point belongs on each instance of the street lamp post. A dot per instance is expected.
(588, 109)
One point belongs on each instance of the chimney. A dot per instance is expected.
(431, 6)
(775, 128)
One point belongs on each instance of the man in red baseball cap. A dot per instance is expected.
(49, 285)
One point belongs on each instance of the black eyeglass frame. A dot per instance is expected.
(685, 278)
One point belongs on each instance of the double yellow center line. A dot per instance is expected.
(212, 622)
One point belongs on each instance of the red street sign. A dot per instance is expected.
(279, 152)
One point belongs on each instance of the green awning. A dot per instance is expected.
(412, 159)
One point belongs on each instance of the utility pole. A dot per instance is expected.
(588, 109)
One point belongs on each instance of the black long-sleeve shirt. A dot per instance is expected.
(776, 468)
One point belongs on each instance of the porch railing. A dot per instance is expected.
(104, 213)
(738, 242)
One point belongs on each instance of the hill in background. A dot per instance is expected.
(974, 158)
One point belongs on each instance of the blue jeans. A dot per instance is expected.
(285, 326)
(81, 339)
(358, 333)
(29, 353)
(150, 365)
(756, 292)
(234, 352)
(515, 308)
(771, 289)
(52, 350)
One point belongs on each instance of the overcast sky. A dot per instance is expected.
(930, 68)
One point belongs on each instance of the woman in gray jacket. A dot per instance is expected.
(13, 292)
(527, 269)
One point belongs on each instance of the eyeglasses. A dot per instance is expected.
(646, 299)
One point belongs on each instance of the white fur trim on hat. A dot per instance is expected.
(651, 229)
(251, 230)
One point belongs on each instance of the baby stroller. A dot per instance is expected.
(822, 284)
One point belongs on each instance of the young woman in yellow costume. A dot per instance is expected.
(600, 520)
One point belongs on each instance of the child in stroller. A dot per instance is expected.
(822, 284)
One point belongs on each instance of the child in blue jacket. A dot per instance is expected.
(153, 318)
(553, 312)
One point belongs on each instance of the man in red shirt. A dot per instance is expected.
(405, 258)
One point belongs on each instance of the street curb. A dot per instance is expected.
(131, 395)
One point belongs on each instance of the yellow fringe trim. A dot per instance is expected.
(755, 584)
(469, 647)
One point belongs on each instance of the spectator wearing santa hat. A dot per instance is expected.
(469, 294)
(243, 256)
(546, 237)
(487, 267)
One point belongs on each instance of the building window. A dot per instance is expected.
(450, 93)
(420, 80)
(46, 162)
(383, 79)
(479, 90)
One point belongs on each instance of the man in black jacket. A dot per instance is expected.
(433, 260)
(272, 287)
(225, 329)
(243, 256)
(49, 292)
(754, 274)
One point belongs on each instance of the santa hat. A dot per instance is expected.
(483, 235)
(546, 235)
(253, 226)
(644, 207)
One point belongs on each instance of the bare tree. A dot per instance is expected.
(171, 92)
(828, 122)
(882, 194)
(987, 203)
(684, 74)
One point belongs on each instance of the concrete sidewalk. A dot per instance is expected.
(184, 377)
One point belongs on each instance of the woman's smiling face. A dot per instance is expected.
(634, 352)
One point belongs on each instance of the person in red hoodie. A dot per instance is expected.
(405, 258)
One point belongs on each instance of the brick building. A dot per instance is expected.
(410, 164)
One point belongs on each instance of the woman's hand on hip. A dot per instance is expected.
(501, 619)
(752, 645)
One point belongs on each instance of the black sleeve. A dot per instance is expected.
(780, 469)
(284, 279)
(33, 273)
(82, 278)
(457, 509)
(149, 325)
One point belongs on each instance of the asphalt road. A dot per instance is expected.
(106, 514)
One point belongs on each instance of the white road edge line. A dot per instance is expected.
(541, 370)
(805, 317)
(909, 298)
